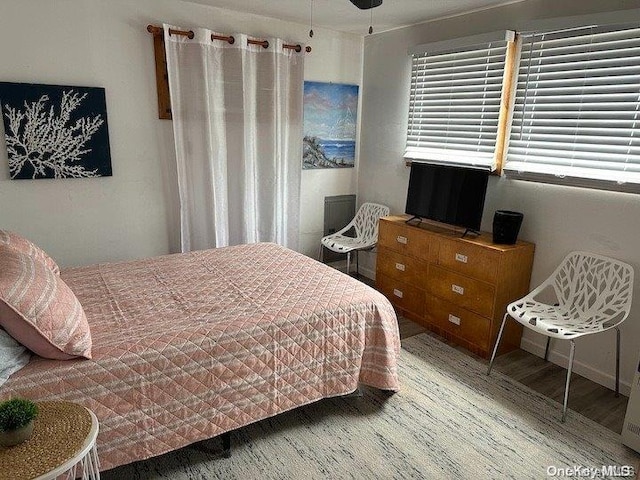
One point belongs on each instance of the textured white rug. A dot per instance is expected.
(449, 421)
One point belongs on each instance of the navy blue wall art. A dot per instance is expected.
(54, 131)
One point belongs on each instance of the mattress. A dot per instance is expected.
(189, 346)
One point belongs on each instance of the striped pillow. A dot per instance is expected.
(39, 310)
(26, 246)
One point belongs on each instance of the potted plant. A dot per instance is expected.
(16, 421)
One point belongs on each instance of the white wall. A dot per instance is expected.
(557, 219)
(103, 43)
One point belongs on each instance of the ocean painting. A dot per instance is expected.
(330, 114)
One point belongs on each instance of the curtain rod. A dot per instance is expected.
(189, 34)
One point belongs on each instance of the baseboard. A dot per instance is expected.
(580, 368)
(339, 265)
(369, 273)
(364, 271)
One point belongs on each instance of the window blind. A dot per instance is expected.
(577, 105)
(454, 105)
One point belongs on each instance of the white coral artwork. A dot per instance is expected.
(51, 133)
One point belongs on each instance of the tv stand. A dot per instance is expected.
(429, 224)
(471, 231)
(457, 287)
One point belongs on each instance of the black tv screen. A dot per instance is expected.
(446, 194)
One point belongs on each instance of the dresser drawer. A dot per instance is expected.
(404, 239)
(458, 321)
(470, 260)
(401, 267)
(464, 291)
(401, 294)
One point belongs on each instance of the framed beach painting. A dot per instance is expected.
(330, 114)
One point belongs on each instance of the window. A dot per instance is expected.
(454, 103)
(577, 108)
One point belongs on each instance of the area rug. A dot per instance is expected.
(450, 420)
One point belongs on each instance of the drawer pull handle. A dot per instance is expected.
(453, 319)
(397, 293)
(400, 266)
(461, 258)
(457, 288)
(401, 239)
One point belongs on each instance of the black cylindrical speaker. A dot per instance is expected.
(506, 225)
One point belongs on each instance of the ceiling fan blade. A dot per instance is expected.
(364, 4)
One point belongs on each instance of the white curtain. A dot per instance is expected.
(237, 121)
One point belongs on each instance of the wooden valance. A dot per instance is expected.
(162, 76)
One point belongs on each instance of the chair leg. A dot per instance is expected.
(566, 388)
(617, 362)
(495, 348)
(348, 262)
(357, 263)
(546, 350)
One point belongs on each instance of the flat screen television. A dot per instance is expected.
(451, 195)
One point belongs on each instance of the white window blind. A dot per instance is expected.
(577, 105)
(454, 105)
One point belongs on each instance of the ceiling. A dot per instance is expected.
(342, 15)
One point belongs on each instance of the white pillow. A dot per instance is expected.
(13, 356)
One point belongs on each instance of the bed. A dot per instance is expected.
(189, 346)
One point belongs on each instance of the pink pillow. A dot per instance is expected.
(29, 248)
(39, 310)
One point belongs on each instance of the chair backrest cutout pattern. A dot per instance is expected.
(595, 287)
(366, 221)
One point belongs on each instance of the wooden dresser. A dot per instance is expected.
(457, 287)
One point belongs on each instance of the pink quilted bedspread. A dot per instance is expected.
(189, 346)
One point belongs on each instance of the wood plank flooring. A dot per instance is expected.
(585, 396)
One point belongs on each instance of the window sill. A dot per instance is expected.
(608, 185)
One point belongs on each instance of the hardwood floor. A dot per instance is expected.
(585, 396)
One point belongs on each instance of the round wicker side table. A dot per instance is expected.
(63, 443)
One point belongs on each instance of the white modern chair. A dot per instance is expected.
(365, 224)
(592, 294)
